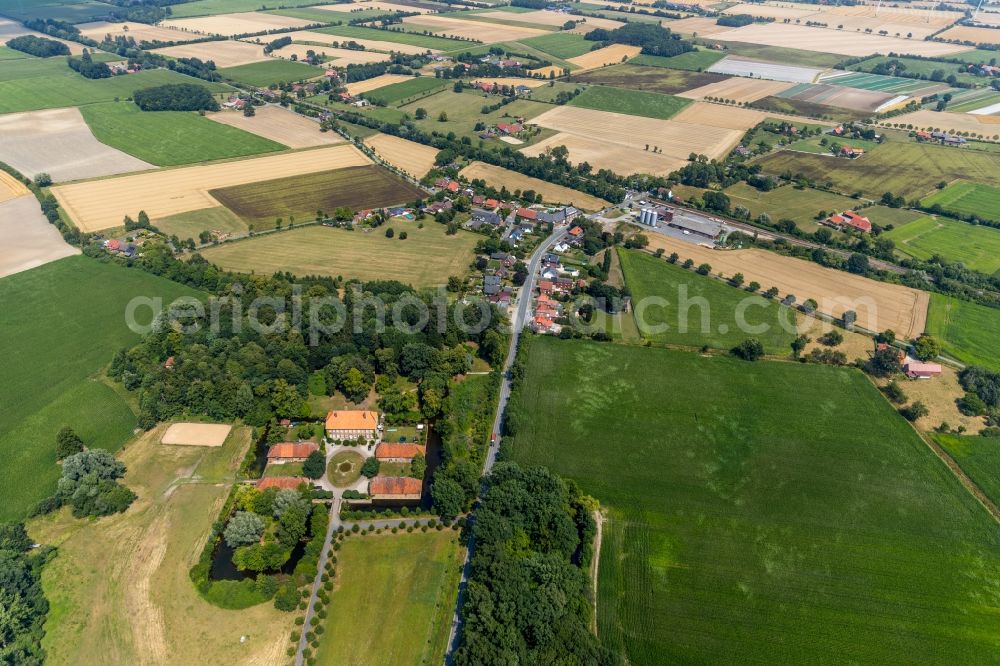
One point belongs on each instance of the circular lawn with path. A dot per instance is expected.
(344, 468)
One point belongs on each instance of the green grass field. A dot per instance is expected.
(275, 70)
(968, 198)
(977, 247)
(979, 457)
(79, 11)
(406, 91)
(11, 54)
(812, 145)
(714, 326)
(189, 225)
(967, 331)
(560, 44)
(787, 202)
(169, 138)
(426, 258)
(760, 513)
(301, 196)
(912, 170)
(918, 66)
(651, 79)
(693, 61)
(413, 39)
(393, 600)
(207, 7)
(32, 84)
(62, 324)
(632, 102)
(464, 110)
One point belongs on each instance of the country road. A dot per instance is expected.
(517, 322)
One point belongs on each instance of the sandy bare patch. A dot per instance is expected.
(196, 434)
(102, 204)
(376, 4)
(225, 54)
(368, 85)
(498, 177)
(831, 41)
(609, 55)
(966, 33)
(624, 160)
(97, 30)
(925, 119)
(414, 158)
(739, 89)
(342, 57)
(671, 138)
(878, 305)
(27, 238)
(59, 142)
(235, 24)
(309, 36)
(279, 124)
(494, 32)
(511, 140)
(10, 29)
(717, 115)
(11, 187)
(542, 17)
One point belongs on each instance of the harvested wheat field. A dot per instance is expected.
(11, 187)
(455, 27)
(138, 31)
(387, 6)
(695, 25)
(316, 38)
(623, 160)
(542, 17)
(925, 119)
(831, 41)
(102, 204)
(671, 138)
(229, 53)
(498, 177)
(878, 305)
(414, 158)
(545, 72)
(965, 33)
(279, 124)
(341, 57)
(717, 115)
(11, 29)
(26, 236)
(124, 581)
(775, 11)
(235, 24)
(903, 15)
(196, 434)
(375, 83)
(738, 89)
(609, 55)
(58, 142)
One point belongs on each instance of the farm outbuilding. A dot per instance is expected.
(395, 488)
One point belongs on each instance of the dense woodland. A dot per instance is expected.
(38, 46)
(176, 97)
(22, 601)
(653, 38)
(86, 66)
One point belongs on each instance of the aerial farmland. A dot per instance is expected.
(518, 331)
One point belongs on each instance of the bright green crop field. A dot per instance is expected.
(169, 138)
(967, 331)
(62, 324)
(632, 102)
(979, 457)
(651, 278)
(968, 198)
(406, 91)
(560, 44)
(263, 74)
(977, 247)
(760, 513)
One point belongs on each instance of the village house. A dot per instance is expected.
(918, 370)
(281, 482)
(399, 453)
(510, 129)
(505, 258)
(492, 284)
(542, 325)
(851, 152)
(351, 424)
(287, 452)
(849, 219)
(395, 488)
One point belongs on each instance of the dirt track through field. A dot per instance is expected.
(414, 158)
(878, 305)
(279, 124)
(59, 142)
(102, 204)
(228, 53)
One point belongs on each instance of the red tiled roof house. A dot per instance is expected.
(290, 452)
(395, 488)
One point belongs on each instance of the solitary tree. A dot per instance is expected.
(67, 443)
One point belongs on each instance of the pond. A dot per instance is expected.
(223, 568)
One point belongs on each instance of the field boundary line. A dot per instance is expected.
(596, 564)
